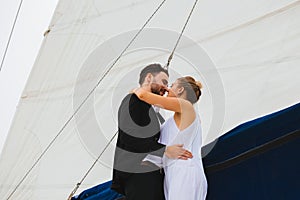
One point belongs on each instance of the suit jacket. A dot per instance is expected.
(139, 131)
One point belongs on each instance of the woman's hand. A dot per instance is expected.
(139, 92)
(133, 90)
(178, 152)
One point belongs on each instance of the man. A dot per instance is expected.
(139, 131)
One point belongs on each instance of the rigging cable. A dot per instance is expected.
(10, 35)
(83, 102)
(169, 60)
(90, 169)
(177, 42)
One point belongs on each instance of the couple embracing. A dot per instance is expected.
(157, 159)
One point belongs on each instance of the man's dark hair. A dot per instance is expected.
(153, 69)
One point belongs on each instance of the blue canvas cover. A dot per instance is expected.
(257, 160)
(99, 192)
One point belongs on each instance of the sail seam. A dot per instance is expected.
(252, 21)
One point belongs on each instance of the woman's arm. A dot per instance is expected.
(169, 103)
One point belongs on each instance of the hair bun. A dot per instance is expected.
(199, 84)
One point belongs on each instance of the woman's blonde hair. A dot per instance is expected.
(192, 88)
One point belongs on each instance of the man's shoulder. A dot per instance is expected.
(131, 99)
(134, 104)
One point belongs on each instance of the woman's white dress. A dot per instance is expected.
(184, 179)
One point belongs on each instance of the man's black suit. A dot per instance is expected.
(139, 131)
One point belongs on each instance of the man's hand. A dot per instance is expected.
(178, 152)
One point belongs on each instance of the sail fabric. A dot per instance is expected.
(246, 54)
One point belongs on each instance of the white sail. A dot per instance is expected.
(248, 61)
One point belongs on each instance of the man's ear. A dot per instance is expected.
(148, 78)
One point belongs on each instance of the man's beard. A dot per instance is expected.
(158, 89)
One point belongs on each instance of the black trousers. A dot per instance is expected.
(145, 186)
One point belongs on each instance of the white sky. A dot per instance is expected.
(32, 22)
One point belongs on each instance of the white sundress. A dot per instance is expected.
(184, 179)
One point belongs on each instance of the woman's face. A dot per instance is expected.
(174, 89)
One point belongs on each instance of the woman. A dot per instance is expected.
(184, 179)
